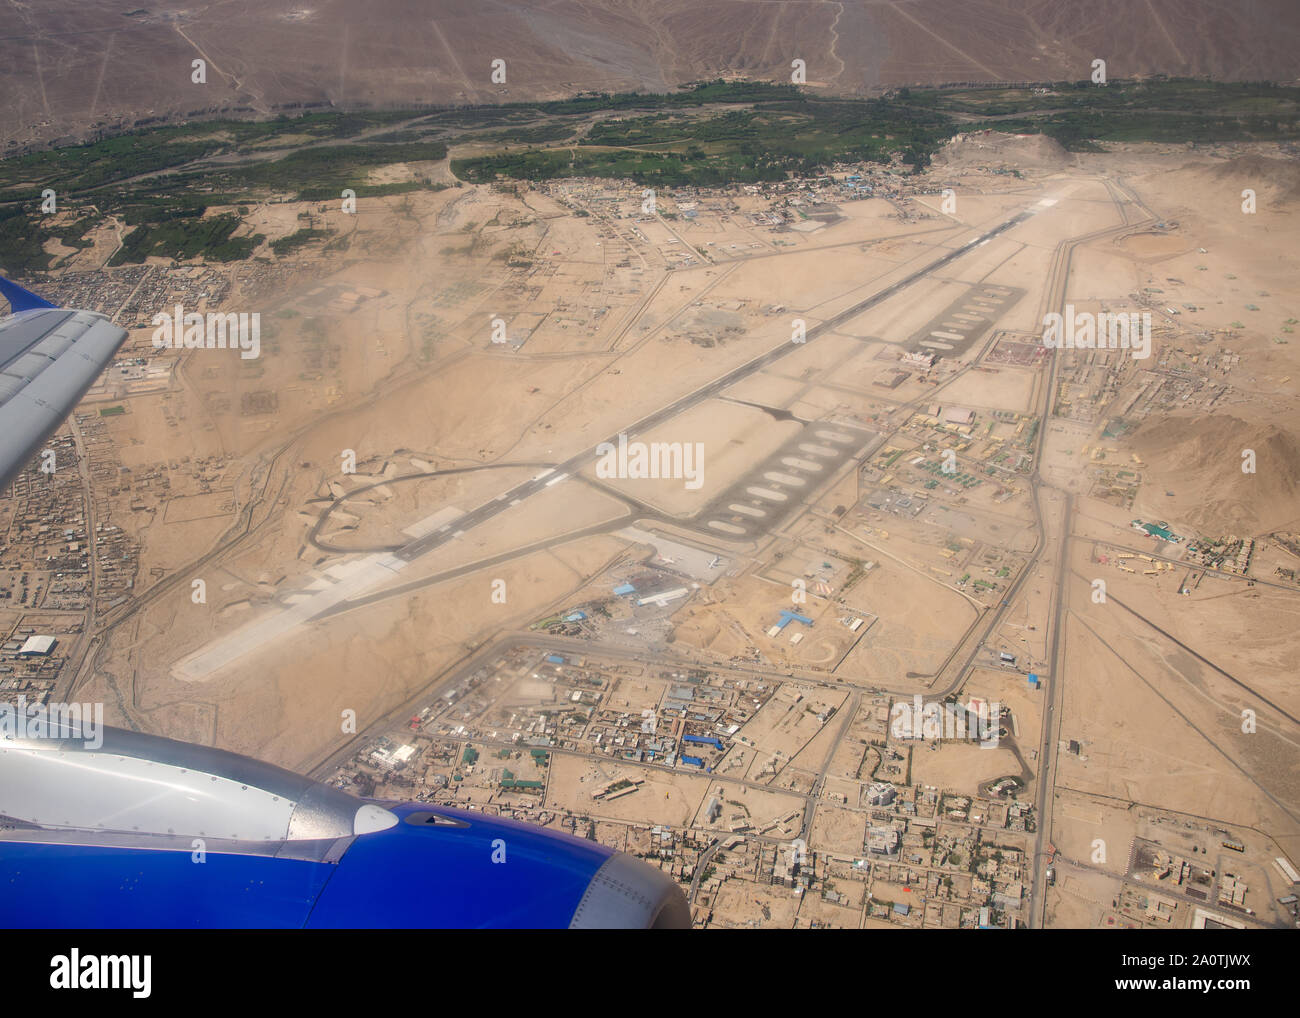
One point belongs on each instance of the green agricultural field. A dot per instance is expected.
(161, 179)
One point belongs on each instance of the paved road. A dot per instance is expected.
(701, 866)
(846, 715)
(1046, 780)
(1050, 733)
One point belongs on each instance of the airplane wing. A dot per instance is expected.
(110, 831)
(106, 828)
(49, 357)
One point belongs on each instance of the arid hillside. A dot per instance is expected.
(69, 68)
(1202, 458)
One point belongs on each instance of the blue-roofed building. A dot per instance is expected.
(624, 589)
(555, 659)
(707, 740)
(694, 761)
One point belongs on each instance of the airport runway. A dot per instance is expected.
(575, 463)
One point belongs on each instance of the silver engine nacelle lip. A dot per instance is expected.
(312, 810)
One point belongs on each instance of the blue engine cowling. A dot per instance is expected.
(134, 834)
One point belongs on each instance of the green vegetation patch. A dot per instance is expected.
(286, 245)
(161, 179)
(186, 237)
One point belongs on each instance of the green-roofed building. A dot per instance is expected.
(1155, 530)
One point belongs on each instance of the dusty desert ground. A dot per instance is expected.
(323, 594)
